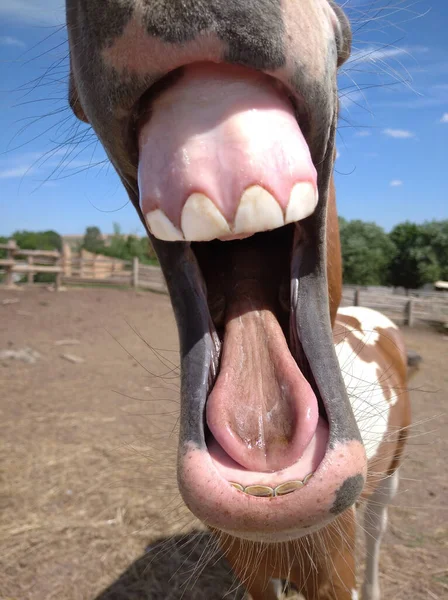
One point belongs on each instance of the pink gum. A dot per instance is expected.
(218, 132)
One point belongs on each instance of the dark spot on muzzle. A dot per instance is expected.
(347, 494)
(253, 31)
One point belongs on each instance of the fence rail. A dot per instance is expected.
(406, 310)
(151, 278)
(37, 261)
(416, 306)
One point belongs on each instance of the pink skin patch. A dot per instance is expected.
(218, 131)
(209, 495)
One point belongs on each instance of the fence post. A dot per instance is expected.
(57, 283)
(135, 265)
(12, 247)
(408, 313)
(30, 276)
(58, 280)
(8, 279)
(356, 298)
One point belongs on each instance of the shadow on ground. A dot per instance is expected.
(187, 567)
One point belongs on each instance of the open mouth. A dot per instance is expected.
(226, 172)
(265, 424)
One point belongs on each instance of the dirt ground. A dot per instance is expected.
(89, 507)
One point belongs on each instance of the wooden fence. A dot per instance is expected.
(99, 270)
(416, 306)
(29, 262)
(404, 310)
(149, 277)
(113, 272)
(77, 269)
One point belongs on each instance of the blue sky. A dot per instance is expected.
(392, 139)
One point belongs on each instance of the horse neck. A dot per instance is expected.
(334, 260)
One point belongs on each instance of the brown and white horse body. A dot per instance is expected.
(372, 358)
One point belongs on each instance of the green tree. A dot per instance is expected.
(126, 247)
(415, 261)
(147, 251)
(435, 235)
(38, 240)
(3, 240)
(366, 252)
(93, 241)
(117, 246)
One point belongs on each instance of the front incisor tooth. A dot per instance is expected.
(237, 486)
(258, 211)
(201, 220)
(307, 478)
(288, 487)
(259, 490)
(162, 228)
(302, 202)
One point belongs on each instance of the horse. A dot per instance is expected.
(219, 117)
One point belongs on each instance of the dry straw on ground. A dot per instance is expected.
(87, 455)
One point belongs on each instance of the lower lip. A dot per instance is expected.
(230, 471)
(213, 500)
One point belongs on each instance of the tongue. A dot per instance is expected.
(261, 411)
(221, 155)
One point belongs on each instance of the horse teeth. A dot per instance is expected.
(264, 491)
(258, 211)
(307, 478)
(201, 220)
(162, 228)
(288, 487)
(259, 490)
(302, 202)
(237, 486)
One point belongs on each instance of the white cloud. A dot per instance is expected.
(396, 183)
(338, 154)
(425, 97)
(7, 40)
(383, 53)
(444, 118)
(12, 173)
(33, 11)
(402, 134)
(52, 165)
(363, 133)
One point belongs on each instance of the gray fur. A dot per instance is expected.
(253, 30)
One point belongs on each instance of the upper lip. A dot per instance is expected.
(141, 110)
